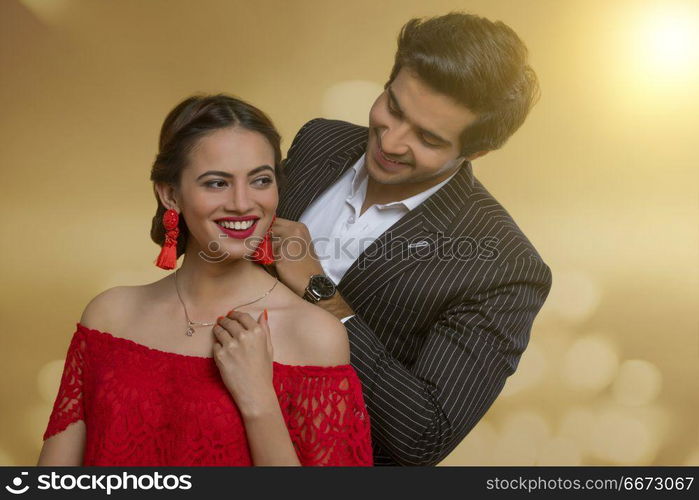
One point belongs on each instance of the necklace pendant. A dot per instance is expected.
(189, 332)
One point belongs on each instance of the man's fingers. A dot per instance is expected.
(280, 229)
(278, 221)
(284, 228)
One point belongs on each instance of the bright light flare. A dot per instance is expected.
(669, 40)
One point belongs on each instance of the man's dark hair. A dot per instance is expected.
(184, 126)
(479, 63)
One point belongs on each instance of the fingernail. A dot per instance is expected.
(219, 318)
(232, 310)
(266, 317)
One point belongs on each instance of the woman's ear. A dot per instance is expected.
(167, 193)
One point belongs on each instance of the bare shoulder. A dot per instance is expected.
(105, 310)
(321, 337)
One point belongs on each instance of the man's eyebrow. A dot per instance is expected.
(221, 173)
(423, 131)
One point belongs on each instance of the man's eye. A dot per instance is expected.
(393, 110)
(428, 143)
(211, 183)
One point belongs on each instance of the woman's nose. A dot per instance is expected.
(241, 201)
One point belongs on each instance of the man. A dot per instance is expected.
(435, 283)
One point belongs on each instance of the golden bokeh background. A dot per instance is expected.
(602, 178)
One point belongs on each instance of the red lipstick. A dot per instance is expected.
(238, 219)
(238, 233)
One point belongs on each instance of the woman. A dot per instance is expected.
(148, 381)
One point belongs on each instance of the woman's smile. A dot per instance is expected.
(237, 228)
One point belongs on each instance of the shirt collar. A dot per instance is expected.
(415, 200)
(360, 180)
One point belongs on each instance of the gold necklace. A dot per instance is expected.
(191, 324)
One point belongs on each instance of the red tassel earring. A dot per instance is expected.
(264, 254)
(168, 254)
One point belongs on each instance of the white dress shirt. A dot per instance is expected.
(339, 233)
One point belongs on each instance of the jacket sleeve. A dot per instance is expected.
(327, 418)
(419, 414)
(301, 137)
(68, 406)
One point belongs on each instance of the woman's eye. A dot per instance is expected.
(263, 181)
(214, 183)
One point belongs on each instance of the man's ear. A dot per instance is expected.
(477, 155)
(167, 193)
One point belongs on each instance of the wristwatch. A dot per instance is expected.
(319, 287)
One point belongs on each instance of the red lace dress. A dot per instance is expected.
(143, 406)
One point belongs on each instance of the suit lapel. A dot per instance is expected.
(400, 248)
(390, 254)
(307, 186)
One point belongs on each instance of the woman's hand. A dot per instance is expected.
(244, 356)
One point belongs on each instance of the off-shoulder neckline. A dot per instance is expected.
(204, 359)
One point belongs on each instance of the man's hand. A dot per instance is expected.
(295, 258)
(296, 261)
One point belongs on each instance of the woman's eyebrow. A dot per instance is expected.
(215, 172)
(227, 175)
(260, 169)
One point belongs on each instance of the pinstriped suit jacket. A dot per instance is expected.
(439, 326)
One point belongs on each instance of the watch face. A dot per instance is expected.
(322, 286)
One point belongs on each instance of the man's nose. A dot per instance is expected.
(393, 141)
